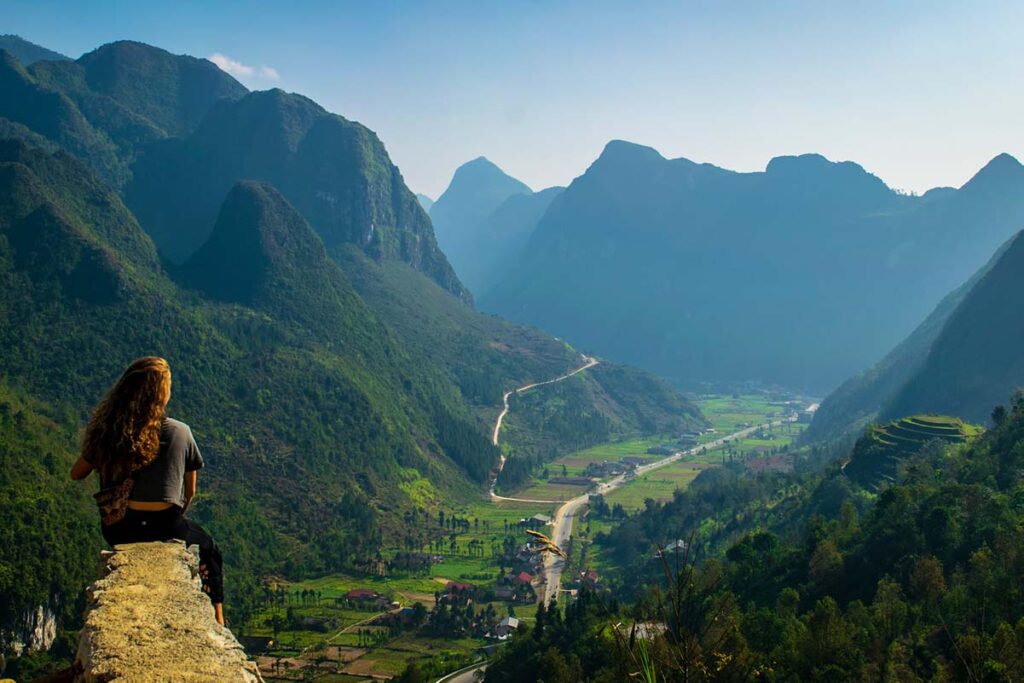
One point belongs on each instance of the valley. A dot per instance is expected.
(319, 629)
(703, 366)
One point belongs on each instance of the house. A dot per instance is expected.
(589, 578)
(505, 628)
(504, 593)
(603, 469)
(456, 593)
(632, 462)
(673, 548)
(523, 577)
(536, 522)
(571, 481)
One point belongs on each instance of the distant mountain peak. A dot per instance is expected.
(425, 201)
(809, 162)
(482, 171)
(804, 171)
(1001, 174)
(27, 52)
(619, 150)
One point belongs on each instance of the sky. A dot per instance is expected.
(922, 94)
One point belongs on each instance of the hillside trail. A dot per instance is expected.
(588, 363)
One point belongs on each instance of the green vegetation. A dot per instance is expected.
(726, 413)
(878, 454)
(821, 580)
(112, 103)
(326, 390)
(605, 403)
(659, 485)
(335, 172)
(26, 52)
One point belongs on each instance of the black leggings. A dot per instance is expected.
(163, 525)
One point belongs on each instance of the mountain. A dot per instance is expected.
(30, 108)
(26, 52)
(113, 102)
(425, 201)
(476, 190)
(484, 356)
(494, 246)
(797, 275)
(306, 406)
(976, 361)
(856, 402)
(331, 392)
(334, 171)
(335, 383)
(145, 119)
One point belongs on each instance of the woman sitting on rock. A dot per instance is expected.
(147, 464)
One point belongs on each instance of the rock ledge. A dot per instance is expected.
(148, 620)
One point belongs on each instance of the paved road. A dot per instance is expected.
(564, 516)
(588, 363)
(467, 675)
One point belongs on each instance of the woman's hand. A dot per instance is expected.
(81, 469)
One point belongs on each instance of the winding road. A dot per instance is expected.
(588, 363)
(554, 565)
(564, 516)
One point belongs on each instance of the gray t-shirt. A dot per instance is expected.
(163, 480)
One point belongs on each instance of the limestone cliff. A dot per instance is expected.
(149, 621)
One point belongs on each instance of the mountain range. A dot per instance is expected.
(324, 351)
(962, 360)
(26, 52)
(799, 275)
(484, 221)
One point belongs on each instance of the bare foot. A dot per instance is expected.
(218, 613)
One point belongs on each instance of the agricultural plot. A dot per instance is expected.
(658, 485)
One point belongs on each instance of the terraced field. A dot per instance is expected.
(878, 454)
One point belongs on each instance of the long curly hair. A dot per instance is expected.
(124, 432)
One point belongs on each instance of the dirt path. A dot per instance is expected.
(587, 364)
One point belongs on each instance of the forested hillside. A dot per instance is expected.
(306, 408)
(858, 400)
(830, 582)
(25, 51)
(977, 357)
(958, 361)
(112, 103)
(327, 373)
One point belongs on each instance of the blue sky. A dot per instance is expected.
(920, 93)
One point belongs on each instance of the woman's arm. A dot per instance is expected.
(191, 479)
(81, 469)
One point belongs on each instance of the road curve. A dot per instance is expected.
(588, 363)
(464, 675)
(564, 515)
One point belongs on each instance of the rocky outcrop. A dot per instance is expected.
(148, 620)
(35, 631)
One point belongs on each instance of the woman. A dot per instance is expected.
(131, 437)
